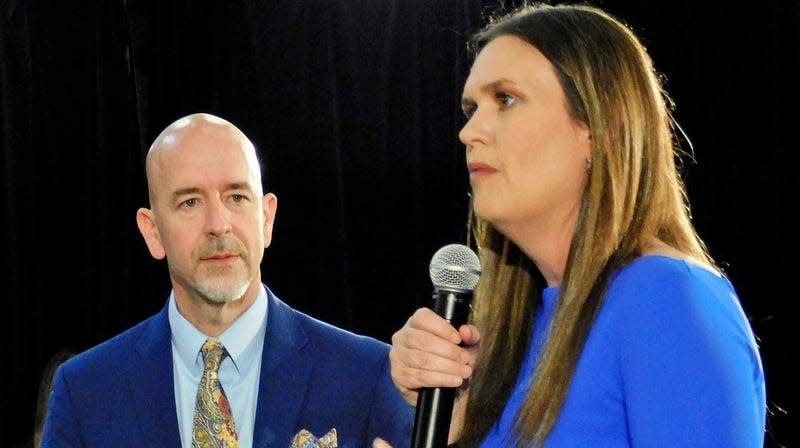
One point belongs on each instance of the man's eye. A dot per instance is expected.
(238, 198)
(190, 202)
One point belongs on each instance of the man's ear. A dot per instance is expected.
(270, 207)
(147, 227)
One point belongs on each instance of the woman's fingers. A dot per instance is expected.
(426, 353)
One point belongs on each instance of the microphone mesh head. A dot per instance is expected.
(455, 266)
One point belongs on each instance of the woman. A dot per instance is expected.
(600, 318)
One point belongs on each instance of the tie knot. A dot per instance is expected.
(213, 353)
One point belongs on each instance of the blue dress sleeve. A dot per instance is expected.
(690, 368)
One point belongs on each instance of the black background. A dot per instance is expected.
(354, 107)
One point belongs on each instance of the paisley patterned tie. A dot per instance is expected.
(213, 421)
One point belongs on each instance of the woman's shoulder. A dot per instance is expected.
(659, 282)
(660, 293)
(661, 301)
(664, 273)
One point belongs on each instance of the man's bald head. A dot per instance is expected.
(188, 132)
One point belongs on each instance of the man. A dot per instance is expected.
(277, 373)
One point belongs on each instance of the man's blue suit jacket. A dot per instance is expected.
(313, 376)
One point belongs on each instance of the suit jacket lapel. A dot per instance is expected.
(285, 372)
(153, 387)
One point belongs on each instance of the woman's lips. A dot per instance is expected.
(478, 170)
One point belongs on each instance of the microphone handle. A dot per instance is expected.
(435, 404)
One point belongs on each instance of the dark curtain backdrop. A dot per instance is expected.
(354, 108)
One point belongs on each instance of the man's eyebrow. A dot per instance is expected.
(183, 192)
(238, 186)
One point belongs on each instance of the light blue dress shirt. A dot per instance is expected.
(238, 374)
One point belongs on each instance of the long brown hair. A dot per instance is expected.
(634, 195)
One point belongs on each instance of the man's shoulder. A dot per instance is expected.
(325, 332)
(103, 355)
(324, 336)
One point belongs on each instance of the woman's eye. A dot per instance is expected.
(506, 100)
(468, 111)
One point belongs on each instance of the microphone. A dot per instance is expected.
(454, 270)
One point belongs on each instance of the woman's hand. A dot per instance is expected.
(429, 352)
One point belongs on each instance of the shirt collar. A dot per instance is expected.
(244, 336)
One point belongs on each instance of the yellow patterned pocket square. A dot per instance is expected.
(304, 439)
